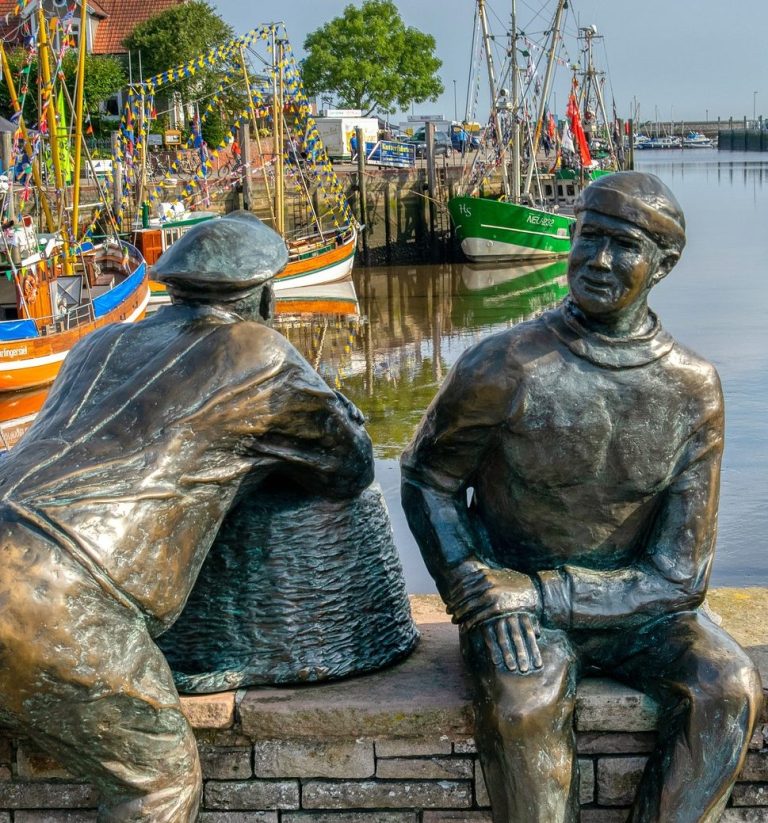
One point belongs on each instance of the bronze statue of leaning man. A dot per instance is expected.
(588, 445)
(110, 503)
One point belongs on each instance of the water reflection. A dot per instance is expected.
(388, 339)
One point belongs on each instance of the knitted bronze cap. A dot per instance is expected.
(223, 257)
(639, 198)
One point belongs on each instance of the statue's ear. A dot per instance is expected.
(666, 264)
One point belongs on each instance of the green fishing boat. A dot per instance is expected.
(494, 230)
(531, 219)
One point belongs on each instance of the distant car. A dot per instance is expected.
(443, 144)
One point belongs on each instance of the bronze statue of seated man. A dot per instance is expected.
(110, 503)
(563, 488)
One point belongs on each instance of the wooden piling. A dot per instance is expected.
(429, 134)
(361, 192)
(244, 139)
(388, 221)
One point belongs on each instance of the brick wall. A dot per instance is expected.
(393, 747)
(358, 781)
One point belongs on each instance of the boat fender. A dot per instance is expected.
(29, 285)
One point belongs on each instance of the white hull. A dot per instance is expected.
(482, 250)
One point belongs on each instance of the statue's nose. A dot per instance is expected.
(601, 259)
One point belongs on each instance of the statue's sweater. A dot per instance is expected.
(594, 465)
(151, 431)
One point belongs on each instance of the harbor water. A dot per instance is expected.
(416, 320)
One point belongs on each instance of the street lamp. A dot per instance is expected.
(754, 106)
(455, 107)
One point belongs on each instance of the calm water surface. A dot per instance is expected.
(415, 321)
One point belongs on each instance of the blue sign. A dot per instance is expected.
(390, 153)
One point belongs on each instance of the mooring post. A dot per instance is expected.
(388, 221)
(429, 134)
(361, 192)
(631, 153)
(244, 138)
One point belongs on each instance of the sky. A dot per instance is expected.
(675, 59)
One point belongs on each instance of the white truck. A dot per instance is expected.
(337, 127)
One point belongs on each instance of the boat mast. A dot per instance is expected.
(255, 127)
(277, 129)
(594, 79)
(79, 118)
(500, 142)
(545, 93)
(33, 159)
(48, 102)
(515, 107)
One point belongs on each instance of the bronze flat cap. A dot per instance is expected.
(639, 198)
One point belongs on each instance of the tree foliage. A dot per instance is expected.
(175, 36)
(104, 76)
(368, 59)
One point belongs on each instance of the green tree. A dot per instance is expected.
(175, 36)
(370, 60)
(104, 76)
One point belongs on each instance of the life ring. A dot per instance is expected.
(29, 287)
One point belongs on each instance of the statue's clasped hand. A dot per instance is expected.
(502, 604)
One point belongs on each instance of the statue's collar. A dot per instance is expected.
(206, 311)
(610, 352)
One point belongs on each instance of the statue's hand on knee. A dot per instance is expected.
(511, 642)
(504, 605)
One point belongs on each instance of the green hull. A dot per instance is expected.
(492, 230)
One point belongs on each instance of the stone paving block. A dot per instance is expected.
(413, 748)
(259, 795)
(604, 705)
(392, 703)
(34, 764)
(350, 817)
(209, 711)
(745, 816)
(48, 796)
(386, 794)
(229, 763)
(467, 746)
(617, 779)
(5, 817)
(586, 780)
(237, 817)
(425, 768)
(456, 817)
(603, 816)
(297, 758)
(55, 816)
(750, 794)
(615, 743)
(5, 774)
(755, 768)
(759, 739)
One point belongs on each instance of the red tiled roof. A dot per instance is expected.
(118, 18)
(123, 17)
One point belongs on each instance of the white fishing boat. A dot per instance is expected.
(697, 140)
